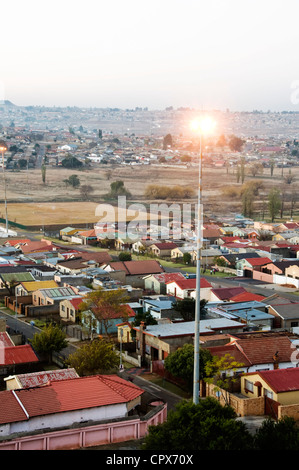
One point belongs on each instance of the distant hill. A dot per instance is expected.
(7, 103)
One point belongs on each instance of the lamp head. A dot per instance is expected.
(3, 146)
(204, 125)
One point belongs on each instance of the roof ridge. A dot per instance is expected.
(21, 404)
(116, 389)
(239, 347)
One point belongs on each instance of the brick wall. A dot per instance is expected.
(242, 406)
(289, 410)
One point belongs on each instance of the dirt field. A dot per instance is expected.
(30, 201)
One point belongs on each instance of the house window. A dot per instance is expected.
(268, 393)
(294, 324)
(248, 386)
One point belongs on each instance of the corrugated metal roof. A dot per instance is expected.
(36, 379)
(281, 380)
(5, 339)
(18, 277)
(36, 285)
(18, 355)
(59, 292)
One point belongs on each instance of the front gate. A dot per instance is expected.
(271, 408)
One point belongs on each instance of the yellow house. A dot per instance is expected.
(281, 385)
(278, 237)
(124, 332)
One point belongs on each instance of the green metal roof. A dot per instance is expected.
(18, 277)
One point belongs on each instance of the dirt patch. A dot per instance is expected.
(55, 202)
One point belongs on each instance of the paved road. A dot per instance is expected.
(29, 330)
(155, 390)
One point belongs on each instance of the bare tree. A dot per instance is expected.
(86, 190)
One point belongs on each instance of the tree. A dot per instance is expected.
(256, 169)
(274, 203)
(221, 142)
(293, 201)
(51, 339)
(43, 169)
(145, 317)
(264, 235)
(242, 169)
(272, 165)
(181, 363)
(86, 190)
(186, 308)
(247, 202)
(219, 261)
(289, 179)
(117, 188)
(214, 372)
(22, 163)
(95, 357)
(282, 200)
(195, 427)
(71, 162)
(279, 435)
(73, 181)
(105, 305)
(167, 141)
(125, 256)
(187, 258)
(236, 144)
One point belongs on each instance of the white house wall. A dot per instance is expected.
(278, 279)
(61, 420)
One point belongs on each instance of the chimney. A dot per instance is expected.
(276, 360)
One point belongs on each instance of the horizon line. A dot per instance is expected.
(143, 108)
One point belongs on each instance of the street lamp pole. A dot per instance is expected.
(196, 380)
(3, 149)
(203, 127)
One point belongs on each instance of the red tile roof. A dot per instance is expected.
(258, 261)
(76, 302)
(34, 247)
(226, 293)
(14, 242)
(66, 395)
(10, 410)
(232, 350)
(281, 380)
(247, 297)
(87, 233)
(18, 355)
(262, 350)
(187, 284)
(257, 350)
(168, 277)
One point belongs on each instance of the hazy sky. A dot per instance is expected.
(235, 54)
